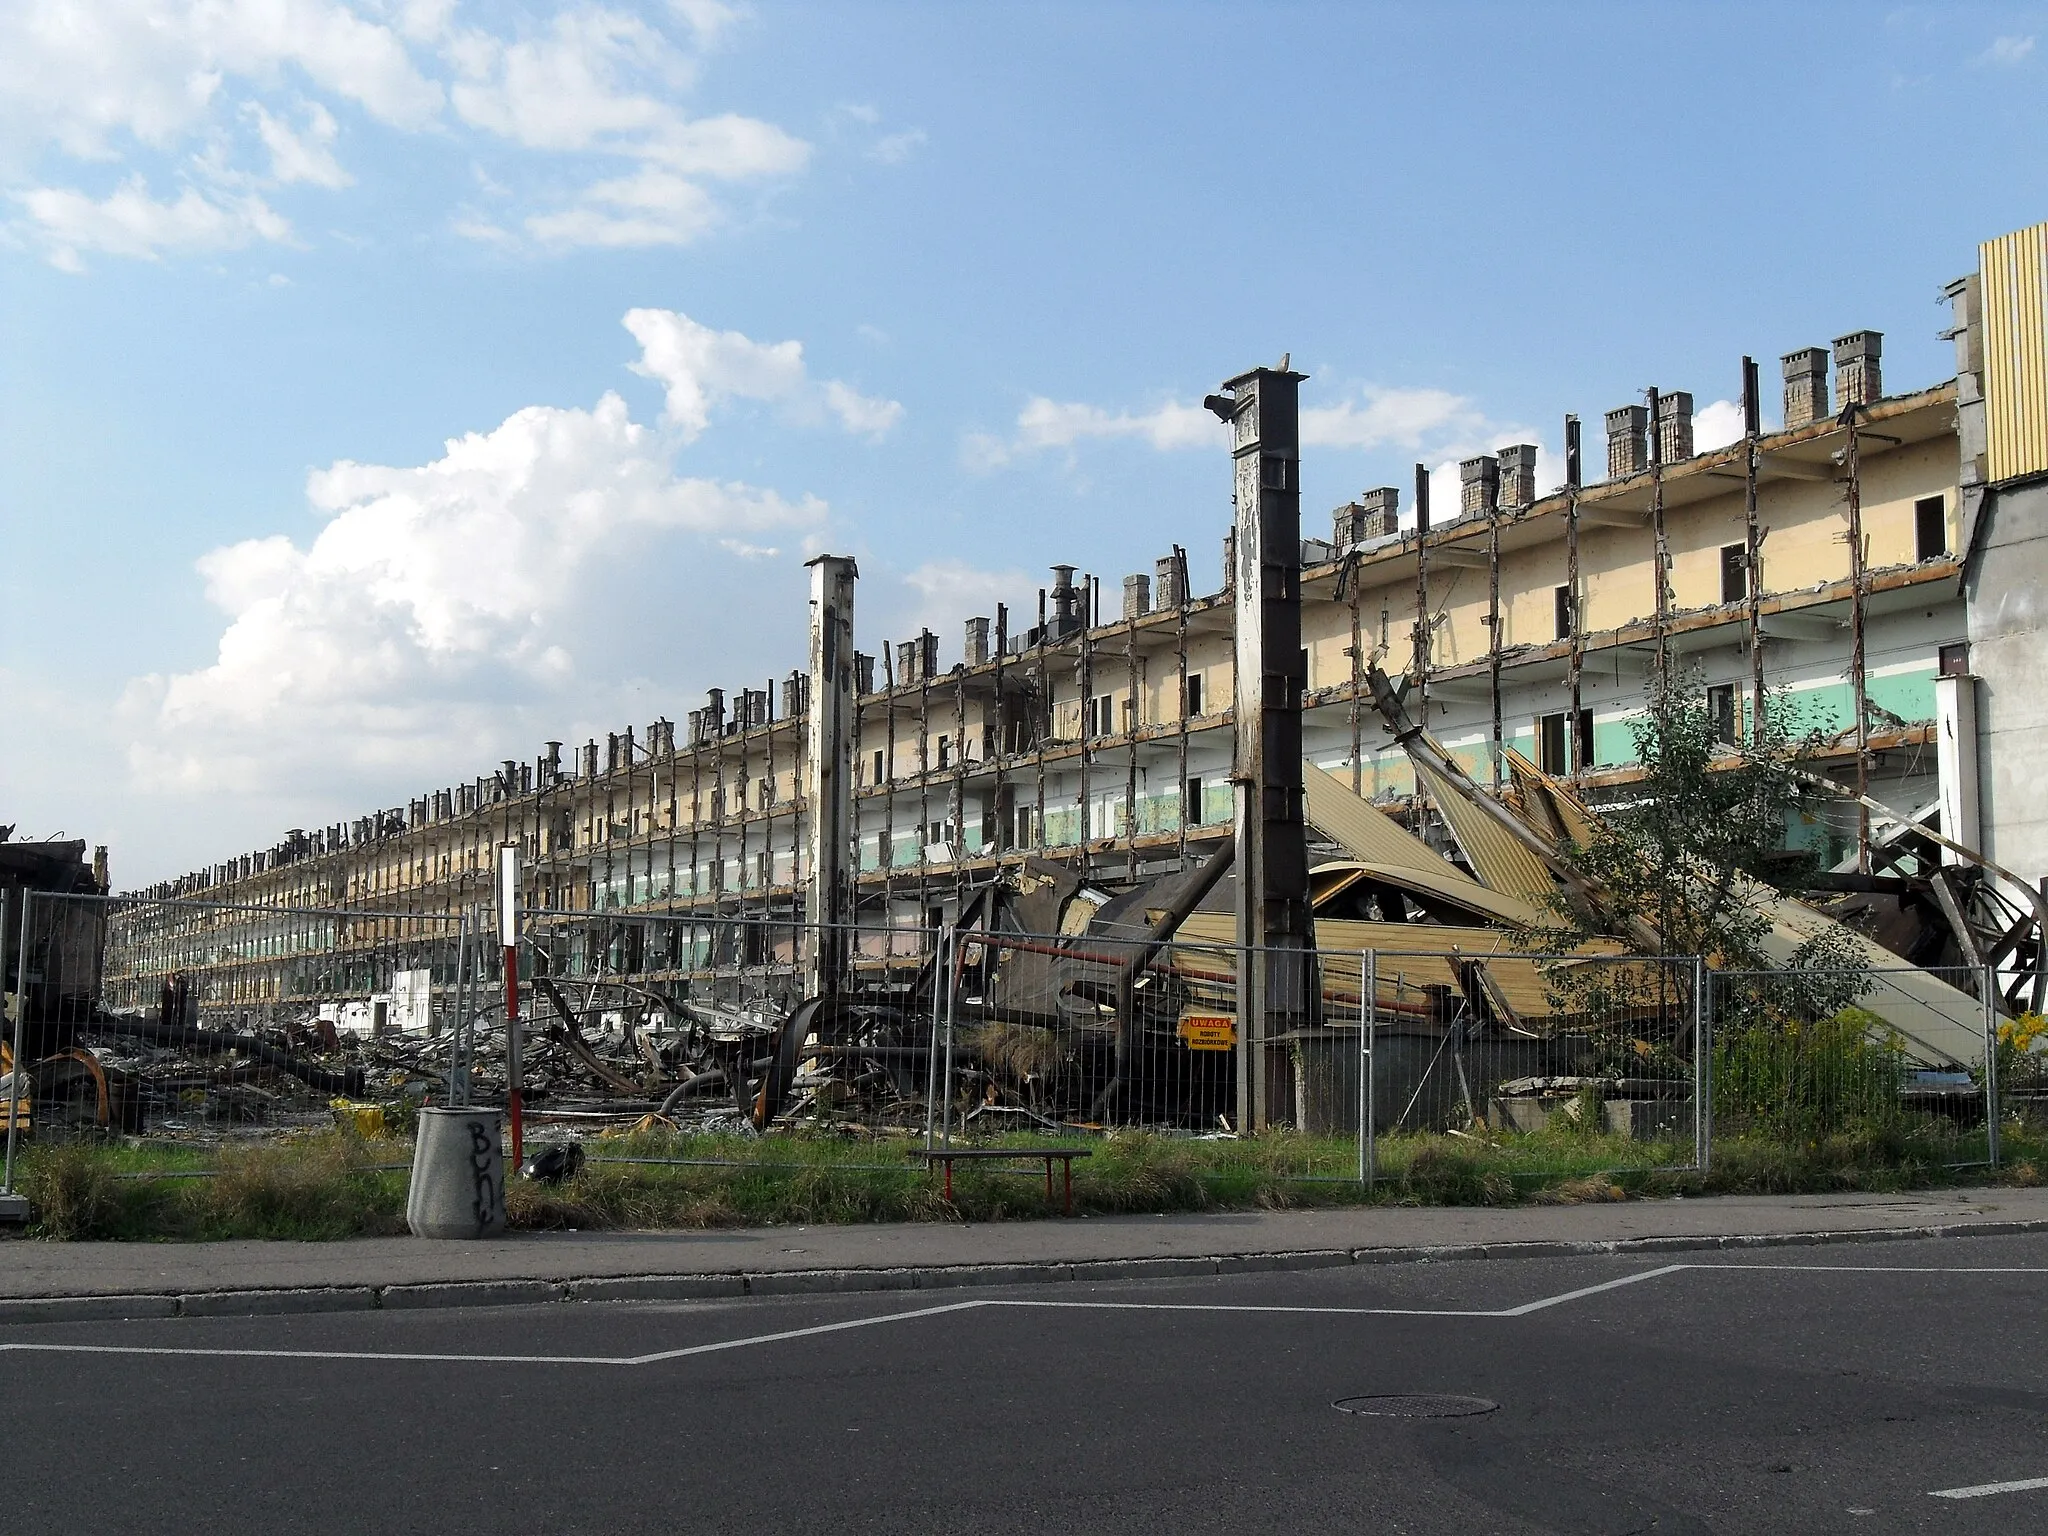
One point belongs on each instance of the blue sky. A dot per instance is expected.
(386, 388)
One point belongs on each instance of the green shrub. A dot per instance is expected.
(1803, 1081)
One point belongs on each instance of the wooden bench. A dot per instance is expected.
(948, 1156)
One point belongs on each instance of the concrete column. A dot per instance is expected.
(828, 775)
(1272, 844)
(1955, 716)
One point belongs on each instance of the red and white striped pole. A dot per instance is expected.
(508, 934)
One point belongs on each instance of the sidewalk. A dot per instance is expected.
(51, 1281)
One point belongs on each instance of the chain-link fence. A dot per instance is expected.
(203, 1021)
(1564, 1064)
(178, 1018)
(1905, 1055)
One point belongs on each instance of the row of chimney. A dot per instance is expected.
(1507, 479)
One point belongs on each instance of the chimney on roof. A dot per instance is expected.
(863, 672)
(1478, 485)
(1373, 516)
(1628, 441)
(1806, 387)
(1857, 379)
(1166, 582)
(1137, 596)
(977, 641)
(1066, 602)
(1518, 475)
(1674, 427)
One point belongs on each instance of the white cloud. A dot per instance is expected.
(1414, 419)
(599, 81)
(940, 595)
(895, 148)
(1391, 418)
(88, 75)
(698, 368)
(296, 156)
(1046, 424)
(186, 87)
(1716, 425)
(129, 222)
(647, 208)
(864, 414)
(707, 19)
(566, 88)
(2007, 50)
(437, 607)
(729, 147)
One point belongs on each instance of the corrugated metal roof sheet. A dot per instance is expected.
(2014, 295)
(1495, 855)
(1361, 829)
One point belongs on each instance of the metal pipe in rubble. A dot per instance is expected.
(508, 935)
(1418, 743)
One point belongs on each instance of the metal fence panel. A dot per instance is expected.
(1560, 1064)
(214, 1019)
(1806, 1057)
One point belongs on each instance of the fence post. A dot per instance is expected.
(1986, 981)
(20, 1015)
(931, 1059)
(949, 938)
(508, 935)
(1368, 1019)
(1702, 1065)
(458, 1068)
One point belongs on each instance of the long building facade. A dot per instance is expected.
(1879, 562)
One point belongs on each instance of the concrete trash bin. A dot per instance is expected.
(458, 1175)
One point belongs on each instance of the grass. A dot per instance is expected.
(329, 1185)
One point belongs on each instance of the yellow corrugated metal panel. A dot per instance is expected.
(1372, 837)
(1363, 831)
(1412, 957)
(2014, 295)
(1446, 881)
(1497, 857)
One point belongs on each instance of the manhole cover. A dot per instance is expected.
(1416, 1405)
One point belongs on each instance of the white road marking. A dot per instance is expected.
(1211, 1306)
(1592, 1290)
(1890, 1269)
(659, 1356)
(365, 1354)
(1982, 1490)
(1222, 1306)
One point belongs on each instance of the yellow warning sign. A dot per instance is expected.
(1208, 1031)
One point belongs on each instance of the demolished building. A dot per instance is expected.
(1878, 557)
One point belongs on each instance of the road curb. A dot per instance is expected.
(271, 1301)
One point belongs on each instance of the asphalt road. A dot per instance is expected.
(1819, 1390)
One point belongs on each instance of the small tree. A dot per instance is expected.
(1698, 852)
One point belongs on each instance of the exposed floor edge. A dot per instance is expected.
(701, 1286)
